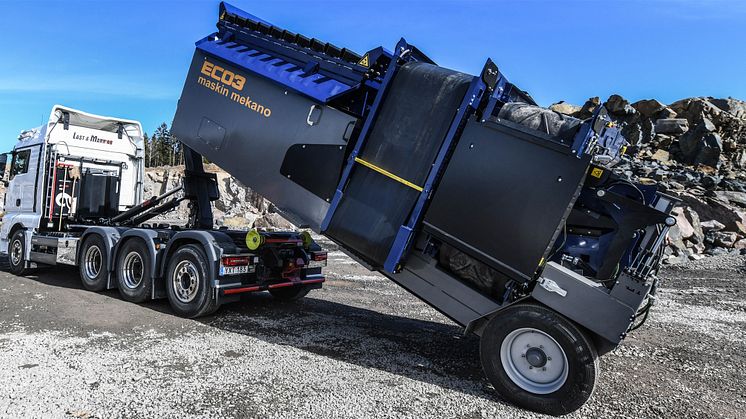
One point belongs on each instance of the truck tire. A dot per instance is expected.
(290, 293)
(188, 283)
(94, 262)
(134, 267)
(539, 360)
(16, 252)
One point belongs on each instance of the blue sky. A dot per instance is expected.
(129, 59)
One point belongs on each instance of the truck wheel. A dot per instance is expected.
(16, 252)
(133, 271)
(93, 264)
(188, 288)
(290, 293)
(539, 360)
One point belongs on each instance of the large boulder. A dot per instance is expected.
(671, 126)
(698, 235)
(684, 227)
(732, 197)
(712, 225)
(666, 113)
(725, 238)
(701, 145)
(617, 105)
(590, 105)
(695, 109)
(273, 221)
(728, 118)
(565, 108)
(731, 218)
(648, 107)
(735, 107)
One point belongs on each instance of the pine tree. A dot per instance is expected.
(162, 148)
(146, 143)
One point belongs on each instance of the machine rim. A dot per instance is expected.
(16, 253)
(132, 270)
(92, 261)
(534, 361)
(185, 281)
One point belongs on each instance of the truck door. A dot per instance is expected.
(23, 173)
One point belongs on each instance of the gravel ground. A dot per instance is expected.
(361, 347)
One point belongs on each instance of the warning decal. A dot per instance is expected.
(365, 61)
(596, 172)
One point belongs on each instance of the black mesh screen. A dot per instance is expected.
(405, 139)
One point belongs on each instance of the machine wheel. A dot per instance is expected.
(93, 263)
(16, 252)
(538, 359)
(290, 293)
(133, 271)
(188, 285)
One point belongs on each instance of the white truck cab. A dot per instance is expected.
(76, 166)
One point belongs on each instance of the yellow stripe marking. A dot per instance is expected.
(388, 174)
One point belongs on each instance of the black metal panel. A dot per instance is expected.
(504, 196)
(405, 139)
(443, 292)
(99, 194)
(585, 302)
(248, 132)
(316, 167)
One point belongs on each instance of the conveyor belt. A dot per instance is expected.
(396, 158)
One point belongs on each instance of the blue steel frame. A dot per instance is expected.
(317, 86)
(370, 118)
(608, 136)
(277, 57)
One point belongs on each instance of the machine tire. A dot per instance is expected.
(290, 293)
(188, 284)
(94, 262)
(531, 388)
(16, 252)
(134, 267)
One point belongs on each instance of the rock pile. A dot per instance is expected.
(695, 149)
(238, 206)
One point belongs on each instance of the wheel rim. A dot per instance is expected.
(185, 281)
(132, 270)
(92, 262)
(16, 252)
(534, 361)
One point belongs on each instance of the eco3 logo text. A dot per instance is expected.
(229, 84)
(222, 75)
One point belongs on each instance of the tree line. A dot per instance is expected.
(162, 149)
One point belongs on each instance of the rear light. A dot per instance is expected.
(317, 260)
(235, 260)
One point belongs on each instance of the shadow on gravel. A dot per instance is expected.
(426, 351)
